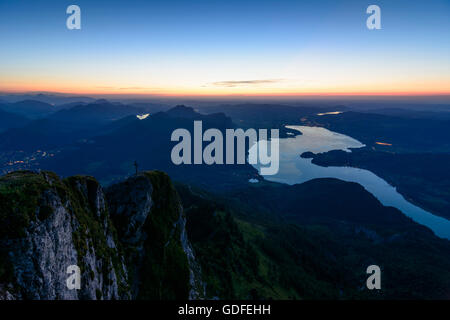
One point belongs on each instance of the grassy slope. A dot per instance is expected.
(248, 253)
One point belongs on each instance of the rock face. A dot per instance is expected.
(130, 243)
(151, 224)
(40, 258)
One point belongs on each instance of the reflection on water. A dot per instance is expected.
(142, 116)
(294, 170)
(328, 113)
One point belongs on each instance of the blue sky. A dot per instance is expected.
(199, 46)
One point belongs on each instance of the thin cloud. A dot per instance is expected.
(123, 88)
(134, 88)
(245, 82)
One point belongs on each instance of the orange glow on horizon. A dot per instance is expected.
(268, 93)
(435, 88)
(177, 85)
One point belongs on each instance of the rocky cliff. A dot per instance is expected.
(151, 225)
(128, 242)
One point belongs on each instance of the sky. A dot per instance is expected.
(226, 47)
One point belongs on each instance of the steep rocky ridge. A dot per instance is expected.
(48, 224)
(151, 224)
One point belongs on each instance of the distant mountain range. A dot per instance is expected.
(98, 112)
(406, 134)
(29, 108)
(53, 99)
(267, 115)
(54, 127)
(11, 120)
(148, 141)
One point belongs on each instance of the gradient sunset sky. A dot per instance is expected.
(225, 47)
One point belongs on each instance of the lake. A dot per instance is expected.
(294, 170)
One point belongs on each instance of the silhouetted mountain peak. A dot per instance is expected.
(29, 108)
(182, 111)
(101, 101)
(11, 120)
(33, 103)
